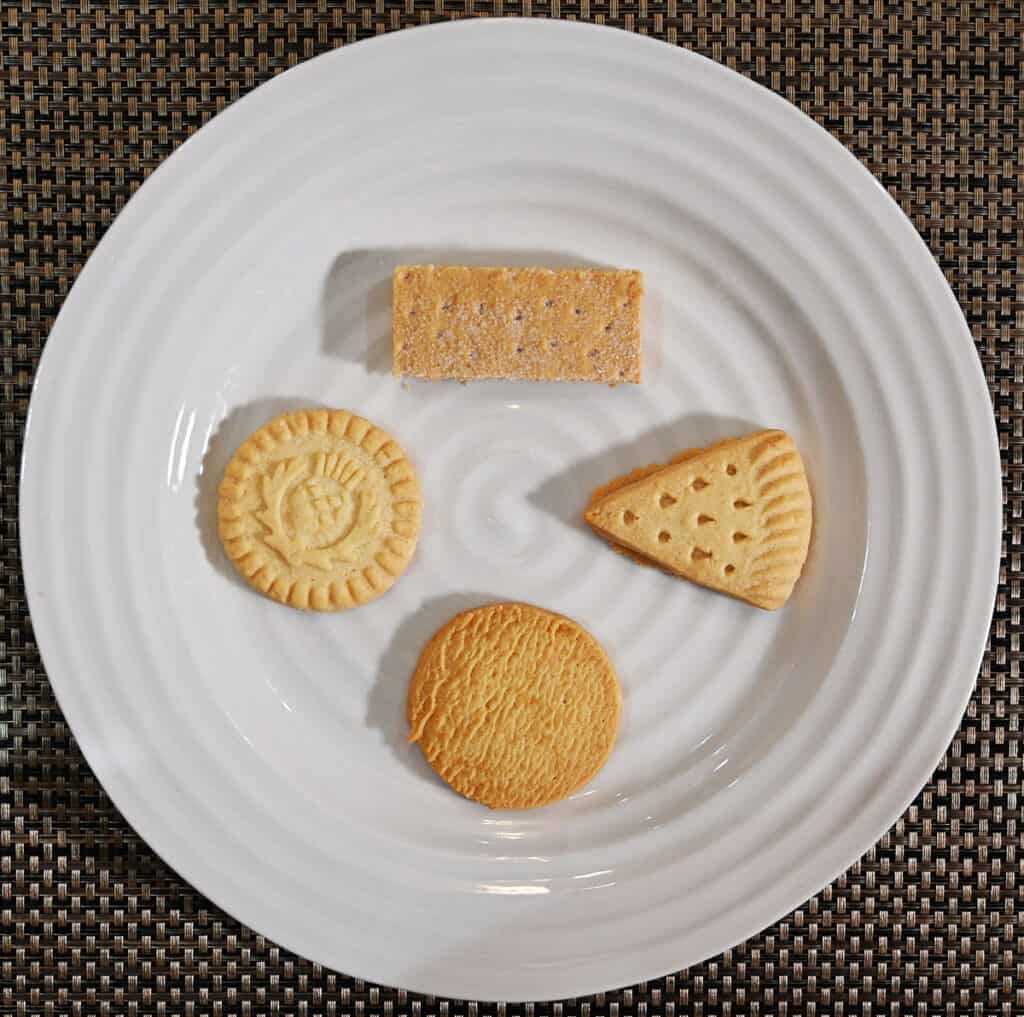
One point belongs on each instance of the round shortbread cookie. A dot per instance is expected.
(514, 706)
(320, 509)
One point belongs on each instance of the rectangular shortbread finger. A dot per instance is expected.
(525, 323)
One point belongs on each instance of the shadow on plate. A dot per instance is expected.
(225, 439)
(358, 284)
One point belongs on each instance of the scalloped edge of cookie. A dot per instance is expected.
(787, 516)
(398, 546)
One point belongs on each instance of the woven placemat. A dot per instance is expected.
(929, 95)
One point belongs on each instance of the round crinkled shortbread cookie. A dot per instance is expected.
(320, 509)
(514, 706)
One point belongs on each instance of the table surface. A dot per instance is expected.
(929, 95)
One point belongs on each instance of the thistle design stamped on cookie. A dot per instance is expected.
(320, 509)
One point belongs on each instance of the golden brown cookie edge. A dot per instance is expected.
(400, 545)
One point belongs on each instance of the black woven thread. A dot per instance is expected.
(93, 96)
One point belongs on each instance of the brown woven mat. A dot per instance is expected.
(929, 95)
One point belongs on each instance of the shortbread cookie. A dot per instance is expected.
(639, 473)
(523, 323)
(735, 517)
(631, 478)
(320, 509)
(514, 706)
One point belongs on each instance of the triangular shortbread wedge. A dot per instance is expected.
(735, 517)
(631, 478)
(639, 473)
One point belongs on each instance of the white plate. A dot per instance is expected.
(261, 751)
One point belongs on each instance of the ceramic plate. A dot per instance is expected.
(261, 751)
